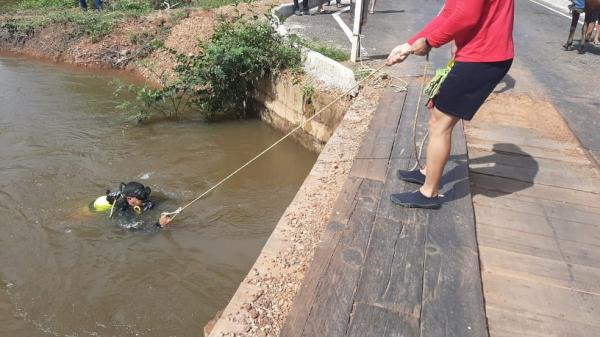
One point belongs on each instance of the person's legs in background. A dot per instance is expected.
(83, 5)
(372, 7)
(305, 5)
(98, 5)
(578, 5)
(297, 8)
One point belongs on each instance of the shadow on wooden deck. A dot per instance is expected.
(384, 270)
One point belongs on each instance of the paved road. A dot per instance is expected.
(569, 80)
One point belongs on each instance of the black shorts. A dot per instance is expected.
(468, 85)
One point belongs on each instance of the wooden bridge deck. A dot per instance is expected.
(537, 204)
(384, 270)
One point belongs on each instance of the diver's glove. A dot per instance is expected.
(111, 197)
(148, 205)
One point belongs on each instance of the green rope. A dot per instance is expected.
(433, 87)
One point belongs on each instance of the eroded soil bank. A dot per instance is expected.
(129, 43)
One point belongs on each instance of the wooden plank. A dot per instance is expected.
(524, 189)
(517, 137)
(541, 299)
(539, 171)
(392, 277)
(551, 209)
(452, 294)
(513, 322)
(346, 201)
(573, 157)
(538, 245)
(580, 253)
(379, 139)
(334, 269)
(540, 270)
(539, 224)
(343, 210)
(404, 145)
(330, 314)
(518, 242)
(374, 169)
(373, 320)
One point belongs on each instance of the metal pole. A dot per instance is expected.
(355, 52)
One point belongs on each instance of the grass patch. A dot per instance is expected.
(215, 3)
(332, 52)
(329, 51)
(46, 4)
(110, 5)
(94, 24)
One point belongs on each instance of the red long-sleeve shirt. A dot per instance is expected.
(482, 29)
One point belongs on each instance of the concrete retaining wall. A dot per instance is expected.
(281, 104)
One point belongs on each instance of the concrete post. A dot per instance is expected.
(355, 52)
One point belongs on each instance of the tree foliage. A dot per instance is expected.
(219, 81)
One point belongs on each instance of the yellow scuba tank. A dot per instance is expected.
(101, 204)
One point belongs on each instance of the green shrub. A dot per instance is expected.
(219, 81)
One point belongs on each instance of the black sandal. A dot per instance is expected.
(414, 176)
(416, 199)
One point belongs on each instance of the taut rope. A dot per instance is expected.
(301, 125)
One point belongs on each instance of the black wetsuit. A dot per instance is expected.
(127, 216)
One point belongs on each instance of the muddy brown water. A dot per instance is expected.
(65, 271)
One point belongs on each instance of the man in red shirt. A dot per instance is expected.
(482, 31)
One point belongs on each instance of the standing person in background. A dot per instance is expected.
(97, 5)
(338, 4)
(482, 31)
(372, 7)
(597, 38)
(304, 8)
(577, 5)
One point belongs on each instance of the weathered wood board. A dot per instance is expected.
(383, 270)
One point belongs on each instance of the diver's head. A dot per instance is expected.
(135, 193)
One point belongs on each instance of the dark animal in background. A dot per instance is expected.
(592, 11)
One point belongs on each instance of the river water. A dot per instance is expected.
(65, 271)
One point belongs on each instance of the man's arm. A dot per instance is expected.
(435, 23)
(455, 17)
(465, 15)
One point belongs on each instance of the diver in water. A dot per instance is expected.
(129, 202)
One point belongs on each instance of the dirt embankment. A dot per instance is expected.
(131, 43)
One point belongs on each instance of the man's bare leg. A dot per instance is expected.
(438, 150)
